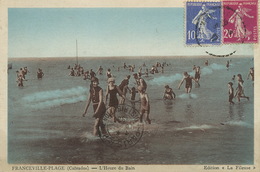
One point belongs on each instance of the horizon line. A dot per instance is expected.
(153, 56)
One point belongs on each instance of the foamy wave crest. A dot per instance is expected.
(162, 80)
(196, 127)
(46, 99)
(188, 96)
(215, 66)
(209, 69)
(206, 71)
(239, 123)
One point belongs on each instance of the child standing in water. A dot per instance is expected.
(145, 105)
(133, 94)
(230, 93)
(96, 96)
(188, 84)
(240, 88)
(168, 93)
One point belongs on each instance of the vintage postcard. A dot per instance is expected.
(129, 85)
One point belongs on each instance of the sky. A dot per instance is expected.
(52, 32)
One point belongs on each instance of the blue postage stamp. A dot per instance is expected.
(203, 23)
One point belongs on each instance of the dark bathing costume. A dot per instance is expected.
(240, 88)
(188, 82)
(170, 93)
(133, 95)
(231, 94)
(197, 75)
(113, 101)
(123, 84)
(95, 100)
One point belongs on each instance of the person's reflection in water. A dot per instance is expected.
(231, 112)
(240, 111)
(189, 112)
(169, 105)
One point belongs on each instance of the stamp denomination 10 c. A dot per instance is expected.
(203, 23)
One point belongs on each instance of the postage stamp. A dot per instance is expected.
(240, 22)
(203, 23)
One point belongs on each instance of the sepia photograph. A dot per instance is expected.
(119, 88)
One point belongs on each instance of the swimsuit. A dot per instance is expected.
(188, 82)
(170, 93)
(240, 91)
(113, 101)
(197, 75)
(92, 74)
(123, 84)
(231, 94)
(133, 95)
(109, 74)
(95, 100)
(39, 75)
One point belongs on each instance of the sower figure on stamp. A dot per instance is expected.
(241, 32)
(201, 21)
(96, 96)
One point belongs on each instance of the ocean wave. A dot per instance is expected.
(163, 80)
(238, 123)
(196, 127)
(54, 98)
(188, 96)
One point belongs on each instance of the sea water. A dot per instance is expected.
(45, 123)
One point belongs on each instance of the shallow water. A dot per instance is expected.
(45, 123)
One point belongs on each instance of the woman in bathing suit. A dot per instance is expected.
(112, 91)
(96, 97)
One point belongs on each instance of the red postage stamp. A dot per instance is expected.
(240, 21)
